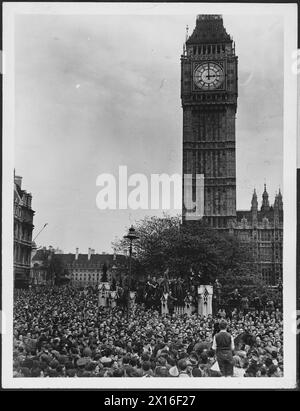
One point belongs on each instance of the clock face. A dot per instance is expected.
(208, 76)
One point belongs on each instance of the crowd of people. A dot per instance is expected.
(61, 332)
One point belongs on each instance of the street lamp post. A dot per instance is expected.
(131, 236)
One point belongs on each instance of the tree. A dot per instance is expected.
(57, 269)
(104, 273)
(150, 250)
(166, 243)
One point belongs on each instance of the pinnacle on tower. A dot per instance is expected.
(276, 202)
(254, 202)
(265, 200)
(280, 202)
(209, 27)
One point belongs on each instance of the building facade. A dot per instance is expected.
(209, 91)
(90, 269)
(80, 270)
(23, 227)
(209, 102)
(262, 229)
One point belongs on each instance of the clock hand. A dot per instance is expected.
(210, 76)
(208, 73)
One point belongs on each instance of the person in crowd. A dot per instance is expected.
(223, 345)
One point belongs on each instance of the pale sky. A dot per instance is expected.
(96, 92)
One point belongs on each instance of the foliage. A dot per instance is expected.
(166, 243)
(104, 273)
(57, 269)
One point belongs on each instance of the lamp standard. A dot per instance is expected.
(131, 236)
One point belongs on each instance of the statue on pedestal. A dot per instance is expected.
(171, 303)
(113, 299)
(165, 283)
(218, 291)
(103, 294)
(188, 304)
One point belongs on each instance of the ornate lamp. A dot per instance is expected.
(131, 236)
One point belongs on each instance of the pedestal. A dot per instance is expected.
(205, 293)
(113, 299)
(132, 295)
(164, 304)
(188, 308)
(103, 294)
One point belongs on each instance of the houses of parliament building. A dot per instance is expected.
(209, 92)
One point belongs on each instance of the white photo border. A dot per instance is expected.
(289, 14)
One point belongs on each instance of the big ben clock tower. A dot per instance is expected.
(209, 102)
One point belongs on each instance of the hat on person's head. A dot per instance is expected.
(131, 372)
(53, 373)
(119, 372)
(35, 372)
(62, 359)
(54, 364)
(27, 363)
(161, 360)
(55, 353)
(25, 371)
(173, 371)
(87, 352)
(86, 374)
(90, 366)
(182, 365)
(263, 371)
(268, 362)
(272, 370)
(162, 372)
(71, 372)
(81, 362)
(196, 372)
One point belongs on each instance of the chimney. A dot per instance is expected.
(76, 255)
(18, 181)
(89, 253)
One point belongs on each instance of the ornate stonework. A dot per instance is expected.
(209, 102)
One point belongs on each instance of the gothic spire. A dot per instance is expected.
(265, 200)
(209, 29)
(254, 202)
(280, 202)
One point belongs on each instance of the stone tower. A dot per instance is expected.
(209, 102)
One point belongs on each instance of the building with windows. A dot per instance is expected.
(262, 229)
(89, 269)
(23, 227)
